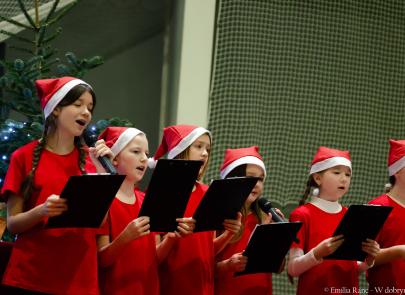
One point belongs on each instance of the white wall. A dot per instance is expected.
(189, 61)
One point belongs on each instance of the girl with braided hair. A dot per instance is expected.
(63, 260)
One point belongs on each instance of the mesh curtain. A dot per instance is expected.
(290, 76)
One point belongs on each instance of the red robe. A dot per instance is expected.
(227, 284)
(319, 225)
(392, 274)
(135, 270)
(189, 267)
(56, 261)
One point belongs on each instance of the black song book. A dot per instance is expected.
(88, 198)
(359, 223)
(168, 193)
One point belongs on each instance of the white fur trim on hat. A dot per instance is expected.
(329, 163)
(124, 139)
(187, 141)
(60, 94)
(398, 165)
(241, 161)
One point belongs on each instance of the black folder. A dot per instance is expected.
(268, 246)
(88, 198)
(359, 223)
(168, 193)
(223, 199)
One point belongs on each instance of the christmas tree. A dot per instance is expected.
(40, 60)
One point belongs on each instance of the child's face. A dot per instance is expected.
(200, 150)
(255, 171)
(74, 118)
(132, 160)
(333, 182)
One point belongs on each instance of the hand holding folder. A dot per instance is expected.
(360, 222)
(88, 198)
(268, 246)
(168, 193)
(223, 200)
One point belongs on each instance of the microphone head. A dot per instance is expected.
(264, 204)
(90, 137)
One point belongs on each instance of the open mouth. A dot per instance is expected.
(81, 122)
(341, 187)
(141, 168)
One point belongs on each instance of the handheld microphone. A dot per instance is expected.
(266, 206)
(90, 139)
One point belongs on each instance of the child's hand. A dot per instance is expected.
(185, 226)
(237, 262)
(327, 246)
(233, 225)
(372, 248)
(100, 149)
(278, 213)
(137, 228)
(53, 206)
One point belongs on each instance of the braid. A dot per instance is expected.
(310, 185)
(82, 155)
(27, 187)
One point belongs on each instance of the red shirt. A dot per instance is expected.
(135, 271)
(391, 274)
(227, 284)
(319, 225)
(189, 267)
(57, 261)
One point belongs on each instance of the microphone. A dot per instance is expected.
(266, 206)
(90, 139)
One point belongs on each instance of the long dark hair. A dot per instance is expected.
(240, 171)
(311, 184)
(28, 187)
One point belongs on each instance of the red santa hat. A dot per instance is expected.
(396, 156)
(117, 138)
(236, 157)
(326, 158)
(175, 140)
(52, 91)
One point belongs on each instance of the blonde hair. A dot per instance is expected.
(185, 155)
